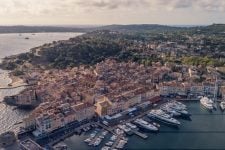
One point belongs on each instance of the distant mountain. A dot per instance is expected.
(38, 29)
(214, 28)
(139, 27)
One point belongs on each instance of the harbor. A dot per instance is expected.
(138, 126)
(170, 137)
(143, 125)
(165, 118)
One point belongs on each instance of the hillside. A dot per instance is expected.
(127, 43)
(151, 28)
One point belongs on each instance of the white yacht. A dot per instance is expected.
(145, 125)
(163, 117)
(177, 107)
(132, 126)
(171, 111)
(181, 104)
(207, 103)
(222, 105)
(124, 128)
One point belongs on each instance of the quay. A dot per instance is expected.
(111, 130)
(68, 134)
(142, 135)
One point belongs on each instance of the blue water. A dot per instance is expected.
(205, 130)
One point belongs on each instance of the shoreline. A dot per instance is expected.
(15, 81)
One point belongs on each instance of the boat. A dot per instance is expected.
(119, 131)
(113, 138)
(175, 106)
(163, 117)
(222, 105)
(171, 111)
(61, 147)
(105, 148)
(88, 140)
(104, 133)
(121, 144)
(124, 128)
(97, 142)
(145, 125)
(92, 135)
(110, 143)
(101, 137)
(184, 113)
(180, 104)
(132, 126)
(207, 103)
(176, 109)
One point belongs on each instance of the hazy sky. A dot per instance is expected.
(49, 12)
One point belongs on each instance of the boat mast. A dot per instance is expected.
(215, 90)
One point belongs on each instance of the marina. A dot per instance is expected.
(120, 134)
(189, 130)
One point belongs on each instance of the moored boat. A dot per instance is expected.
(145, 125)
(161, 116)
(222, 105)
(207, 103)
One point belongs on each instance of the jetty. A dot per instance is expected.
(142, 135)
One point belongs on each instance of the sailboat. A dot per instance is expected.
(215, 95)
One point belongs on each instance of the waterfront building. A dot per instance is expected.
(84, 111)
(102, 106)
(29, 122)
(45, 123)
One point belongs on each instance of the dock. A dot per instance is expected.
(142, 135)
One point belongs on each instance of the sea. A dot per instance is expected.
(204, 130)
(12, 44)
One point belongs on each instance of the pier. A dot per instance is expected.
(142, 135)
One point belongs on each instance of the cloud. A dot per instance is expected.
(205, 5)
(113, 4)
(76, 7)
(211, 5)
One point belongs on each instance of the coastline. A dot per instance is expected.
(15, 81)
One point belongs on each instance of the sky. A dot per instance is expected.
(99, 12)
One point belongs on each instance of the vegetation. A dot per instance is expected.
(127, 43)
(203, 61)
